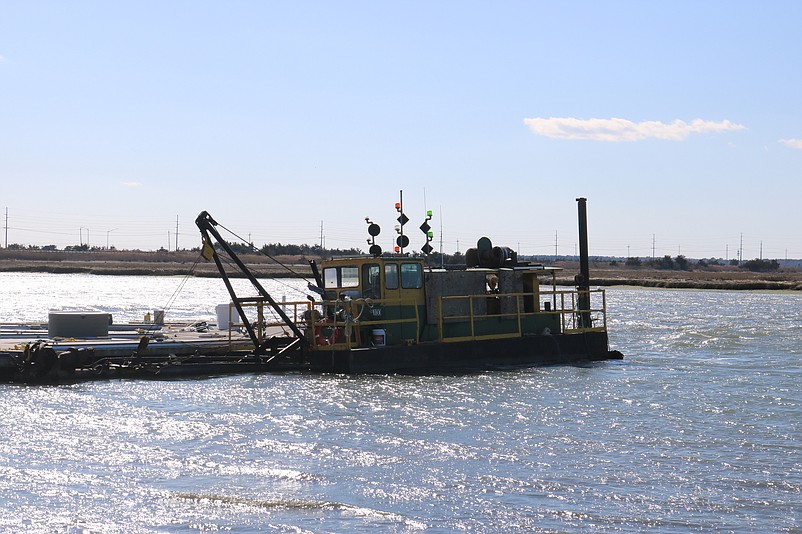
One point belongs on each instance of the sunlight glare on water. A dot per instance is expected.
(697, 429)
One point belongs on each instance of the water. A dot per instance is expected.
(697, 429)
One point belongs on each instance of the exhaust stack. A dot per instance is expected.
(583, 279)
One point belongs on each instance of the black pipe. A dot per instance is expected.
(583, 280)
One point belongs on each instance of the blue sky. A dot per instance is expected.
(679, 121)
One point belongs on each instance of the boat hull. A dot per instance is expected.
(420, 358)
(51, 366)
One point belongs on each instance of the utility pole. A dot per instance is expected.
(6, 226)
(741, 249)
(107, 237)
(321, 236)
(176, 233)
(653, 241)
(555, 244)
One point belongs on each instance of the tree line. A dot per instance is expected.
(677, 263)
(681, 263)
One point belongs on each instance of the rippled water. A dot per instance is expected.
(697, 429)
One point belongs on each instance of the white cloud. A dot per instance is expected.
(132, 184)
(624, 130)
(793, 143)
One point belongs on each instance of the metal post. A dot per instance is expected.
(583, 280)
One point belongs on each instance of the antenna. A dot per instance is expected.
(442, 259)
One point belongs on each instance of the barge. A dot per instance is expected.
(378, 313)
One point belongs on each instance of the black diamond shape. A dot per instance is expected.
(425, 227)
(403, 219)
(427, 248)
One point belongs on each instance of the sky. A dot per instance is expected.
(679, 121)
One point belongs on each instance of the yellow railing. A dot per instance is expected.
(350, 316)
(564, 304)
(571, 314)
(480, 302)
(261, 325)
(311, 317)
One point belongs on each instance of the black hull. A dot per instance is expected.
(421, 358)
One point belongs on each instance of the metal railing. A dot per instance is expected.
(339, 323)
(563, 304)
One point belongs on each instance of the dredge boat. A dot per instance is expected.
(377, 313)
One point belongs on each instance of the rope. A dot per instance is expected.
(170, 301)
(298, 275)
(180, 287)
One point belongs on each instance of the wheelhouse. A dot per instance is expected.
(399, 300)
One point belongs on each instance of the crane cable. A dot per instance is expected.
(258, 251)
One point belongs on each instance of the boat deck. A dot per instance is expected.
(28, 354)
(173, 338)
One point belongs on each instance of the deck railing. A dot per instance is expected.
(565, 305)
(340, 323)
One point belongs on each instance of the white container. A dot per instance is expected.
(223, 315)
(379, 337)
(78, 324)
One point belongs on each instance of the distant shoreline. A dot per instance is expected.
(602, 274)
(148, 268)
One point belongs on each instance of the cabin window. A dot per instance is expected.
(371, 281)
(340, 277)
(330, 278)
(350, 277)
(411, 276)
(391, 275)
